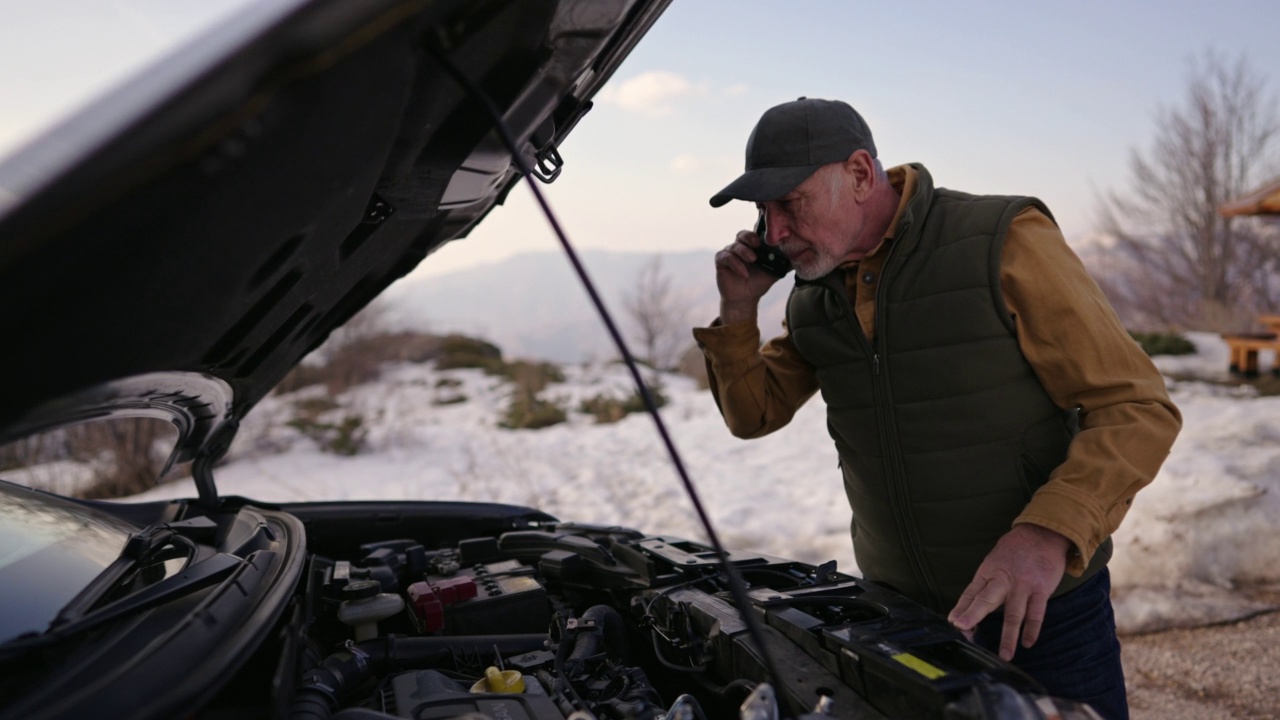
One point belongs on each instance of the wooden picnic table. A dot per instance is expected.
(1244, 347)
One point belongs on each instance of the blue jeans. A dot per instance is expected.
(1078, 654)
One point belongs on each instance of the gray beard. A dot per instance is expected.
(817, 267)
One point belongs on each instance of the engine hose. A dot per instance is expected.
(610, 632)
(322, 688)
(657, 653)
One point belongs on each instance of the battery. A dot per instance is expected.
(508, 599)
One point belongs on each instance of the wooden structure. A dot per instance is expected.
(1244, 348)
(1263, 201)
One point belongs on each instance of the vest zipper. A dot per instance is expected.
(897, 474)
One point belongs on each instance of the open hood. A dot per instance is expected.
(175, 248)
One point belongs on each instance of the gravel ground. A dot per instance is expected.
(1227, 671)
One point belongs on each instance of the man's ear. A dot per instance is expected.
(860, 169)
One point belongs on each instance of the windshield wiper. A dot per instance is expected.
(156, 543)
(205, 573)
(152, 545)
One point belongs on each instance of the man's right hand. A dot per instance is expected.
(741, 284)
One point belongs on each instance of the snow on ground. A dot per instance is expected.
(1206, 525)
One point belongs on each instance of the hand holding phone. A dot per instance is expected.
(768, 258)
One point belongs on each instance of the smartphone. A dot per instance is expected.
(769, 258)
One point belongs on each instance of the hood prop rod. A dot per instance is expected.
(736, 584)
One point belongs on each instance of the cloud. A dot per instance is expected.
(652, 93)
(686, 164)
(736, 89)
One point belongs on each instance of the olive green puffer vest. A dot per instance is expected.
(942, 427)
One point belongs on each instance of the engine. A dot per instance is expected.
(573, 622)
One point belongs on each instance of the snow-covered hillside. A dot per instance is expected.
(1207, 524)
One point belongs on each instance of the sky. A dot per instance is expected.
(1203, 528)
(1037, 98)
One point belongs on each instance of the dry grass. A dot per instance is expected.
(608, 409)
(125, 455)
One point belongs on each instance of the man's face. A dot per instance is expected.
(819, 225)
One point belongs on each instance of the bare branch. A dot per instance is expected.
(1196, 268)
(659, 314)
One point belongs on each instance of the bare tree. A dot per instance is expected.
(1181, 263)
(659, 314)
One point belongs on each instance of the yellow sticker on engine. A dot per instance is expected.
(518, 584)
(920, 666)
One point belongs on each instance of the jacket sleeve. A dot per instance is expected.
(1085, 359)
(758, 390)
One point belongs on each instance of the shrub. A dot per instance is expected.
(350, 359)
(606, 409)
(122, 451)
(529, 376)
(119, 456)
(348, 437)
(460, 351)
(344, 438)
(360, 359)
(314, 407)
(1155, 343)
(635, 403)
(529, 412)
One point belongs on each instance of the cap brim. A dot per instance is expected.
(764, 184)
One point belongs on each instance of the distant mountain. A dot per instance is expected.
(533, 305)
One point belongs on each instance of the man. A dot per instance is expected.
(992, 417)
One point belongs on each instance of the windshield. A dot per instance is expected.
(50, 549)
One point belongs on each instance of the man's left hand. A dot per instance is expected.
(1020, 573)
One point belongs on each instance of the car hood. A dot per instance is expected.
(176, 247)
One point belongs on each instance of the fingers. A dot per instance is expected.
(1036, 606)
(736, 258)
(748, 238)
(1014, 612)
(1023, 613)
(1020, 573)
(983, 595)
(729, 260)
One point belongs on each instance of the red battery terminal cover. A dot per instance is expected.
(427, 606)
(455, 590)
(429, 600)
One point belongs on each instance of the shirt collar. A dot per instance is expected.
(904, 180)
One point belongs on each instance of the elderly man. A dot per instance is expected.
(992, 417)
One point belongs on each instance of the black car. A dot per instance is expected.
(178, 246)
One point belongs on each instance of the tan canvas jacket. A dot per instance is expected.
(1069, 334)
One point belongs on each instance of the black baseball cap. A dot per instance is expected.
(791, 141)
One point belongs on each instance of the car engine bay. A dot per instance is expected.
(435, 610)
(555, 620)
